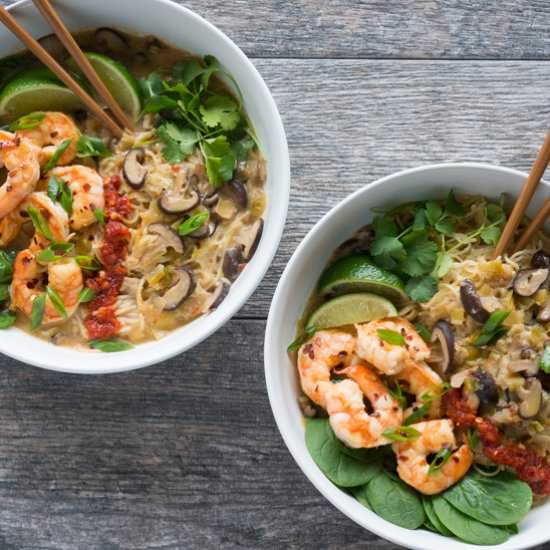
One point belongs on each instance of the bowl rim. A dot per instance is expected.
(320, 482)
(277, 222)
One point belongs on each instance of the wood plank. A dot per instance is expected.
(182, 455)
(352, 122)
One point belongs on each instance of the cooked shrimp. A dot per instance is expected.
(52, 131)
(390, 358)
(326, 350)
(20, 158)
(348, 417)
(55, 216)
(64, 276)
(10, 226)
(412, 457)
(86, 186)
(426, 385)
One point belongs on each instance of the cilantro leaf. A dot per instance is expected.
(421, 289)
(420, 222)
(91, 146)
(159, 103)
(445, 226)
(178, 142)
(490, 235)
(242, 147)
(220, 160)
(495, 213)
(220, 110)
(150, 86)
(453, 207)
(387, 251)
(421, 258)
(384, 227)
(442, 265)
(433, 212)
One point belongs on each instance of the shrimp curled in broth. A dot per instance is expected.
(325, 351)
(390, 358)
(20, 158)
(64, 277)
(86, 187)
(412, 457)
(52, 131)
(348, 417)
(426, 385)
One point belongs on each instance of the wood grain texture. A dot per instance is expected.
(186, 455)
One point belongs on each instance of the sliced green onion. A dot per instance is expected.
(56, 301)
(402, 433)
(90, 263)
(39, 222)
(110, 346)
(391, 337)
(439, 460)
(193, 223)
(52, 163)
(99, 214)
(27, 122)
(91, 146)
(37, 313)
(86, 295)
(54, 252)
(308, 333)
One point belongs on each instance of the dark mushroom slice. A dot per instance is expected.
(232, 261)
(485, 388)
(238, 193)
(153, 45)
(443, 333)
(175, 203)
(219, 295)
(472, 302)
(169, 236)
(110, 40)
(133, 170)
(540, 259)
(543, 314)
(182, 288)
(528, 281)
(52, 45)
(211, 199)
(204, 231)
(530, 395)
(252, 239)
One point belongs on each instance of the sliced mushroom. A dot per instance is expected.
(443, 333)
(140, 58)
(531, 398)
(182, 288)
(175, 203)
(219, 294)
(211, 199)
(527, 367)
(153, 45)
(485, 388)
(238, 192)
(205, 230)
(110, 40)
(232, 261)
(52, 45)
(472, 302)
(251, 239)
(543, 314)
(133, 170)
(528, 281)
(169, 237)
(540, 259)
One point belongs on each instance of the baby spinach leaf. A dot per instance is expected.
(327, 452)
(110, 346)
(7, 319)
(54, 160)
(432, 516)
(4, 292)
(360, 494)
(391, 337)
(499, 500)
(394, 501)
(465, 527)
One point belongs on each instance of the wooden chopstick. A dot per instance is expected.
(525, 196)
(10, 22)
(66, 38)
(534, 226)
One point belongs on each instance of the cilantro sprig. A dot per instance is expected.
(199, 114)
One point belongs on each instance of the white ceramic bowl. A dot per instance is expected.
(297, 283)
(183, 29)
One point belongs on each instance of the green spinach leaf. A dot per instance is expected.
(432, 516)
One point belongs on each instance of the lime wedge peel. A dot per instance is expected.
(350, 309)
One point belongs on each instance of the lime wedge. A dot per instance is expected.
(119, 81)
(350, 309)
(359, 274)
(28, 94)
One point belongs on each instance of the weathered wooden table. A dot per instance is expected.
(186, 454)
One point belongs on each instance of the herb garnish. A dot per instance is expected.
(302, 338)
(38, 311)
(39, 222)
(91, 146)
(110, 346)
(424, 331)
(439, 460)
(52, 163)
(7, 319)
(402, 433)
(54, 252)
(86, 295)
(391, 337)
(544, 363)
(99, 214)
(90, 263)
(492, 330)
(56, 301)
(58, 190)
(27, 122)
(196, 221)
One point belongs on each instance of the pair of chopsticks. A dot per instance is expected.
(525, 196)
(74, 50)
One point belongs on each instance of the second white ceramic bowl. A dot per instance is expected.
(299, 280)
(183, 29)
